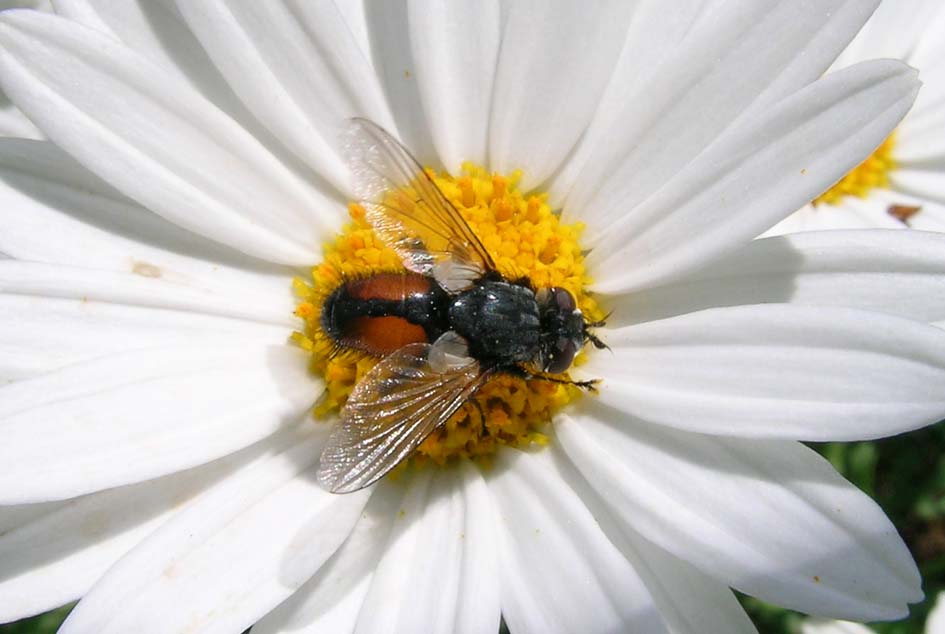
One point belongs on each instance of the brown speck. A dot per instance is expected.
(402, 513)
(144, 269)
(902, 213)
(816, 579)
(804, 170)
(406, 74)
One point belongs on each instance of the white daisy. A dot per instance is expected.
(934, 624)
(159, 458)
(903, 182)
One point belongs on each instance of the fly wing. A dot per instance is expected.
(409, 212)
(400, 402)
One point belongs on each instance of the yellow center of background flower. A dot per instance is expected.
(873, 173)
(525, 239)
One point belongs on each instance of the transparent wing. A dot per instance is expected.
(400, 402)
(409, 212)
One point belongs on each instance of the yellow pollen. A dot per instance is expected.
(525, 239)
(873, 173)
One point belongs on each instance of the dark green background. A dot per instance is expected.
(906, 475)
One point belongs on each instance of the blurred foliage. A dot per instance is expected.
(905, 474)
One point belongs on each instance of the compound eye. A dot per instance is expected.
(564, 299)
(563, 355)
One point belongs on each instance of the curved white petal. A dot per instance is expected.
(52, 316)
(139, 415)
(921, 183)
(555, 61)
(156, 30)
(893, 31)
(54, 210)
(935, 624)
(155, 139)
(656, 29)
(745, 55)
(230, 556)
(689, 601)
(297, 67)
(441, 556)
(850, 212)
(770, 518)
(331, 600)
(148, 285)
(57, 554)
(776, 371)
(559, 572)
(918, 141)
(387, 26)
(827, 626)
(891, 271)
(14, 123)
(455, 48)
(756, 174)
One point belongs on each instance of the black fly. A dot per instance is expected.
(472, 322)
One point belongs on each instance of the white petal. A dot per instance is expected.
(559, 572)
(156, 30)
(689, 601)
(826, 626)
(14, 123)
(155, 139)
(148, 286)
(847, 213)
(655, 31)
(433, 567)
(935, 624)
(897, 272)
(745, 55)
(56, 556)
(143, 414)
(922, 183)
(296, 66)
(478, 610)
(770, 518)
(455, 47)
(331, 600)
(756, 174)
(893, 31)
(776, 370)
(918, 141)
(53, 316)
(388, 30)
(555, 61)
(229, 557)
(54, 210)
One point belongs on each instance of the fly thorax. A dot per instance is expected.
(500, 320)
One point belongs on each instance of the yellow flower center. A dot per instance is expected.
(525, 239)
(871, 174)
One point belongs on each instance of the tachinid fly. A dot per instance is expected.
(443, 327)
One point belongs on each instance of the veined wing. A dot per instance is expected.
(400, 402)
(409, 212)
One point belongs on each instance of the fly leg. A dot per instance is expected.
(522, 373)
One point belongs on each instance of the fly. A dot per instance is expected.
(443, 327)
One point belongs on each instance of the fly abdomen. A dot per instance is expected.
(385, 312)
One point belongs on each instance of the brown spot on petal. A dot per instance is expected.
(145, 269)
(902, 213)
